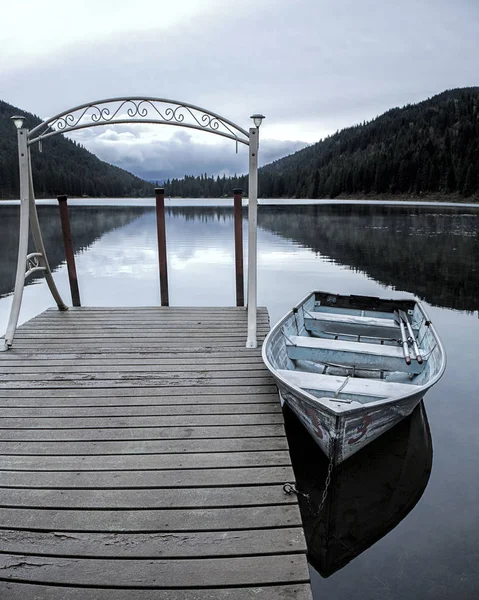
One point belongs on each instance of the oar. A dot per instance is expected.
(411, 335)
(405, 345)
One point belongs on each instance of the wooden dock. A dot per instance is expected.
(142, 457)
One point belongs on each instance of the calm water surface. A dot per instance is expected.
(401, 519)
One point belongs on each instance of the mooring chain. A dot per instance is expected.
(290, 488)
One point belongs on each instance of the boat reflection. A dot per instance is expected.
(369, 494)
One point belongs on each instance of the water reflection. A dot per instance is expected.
(88, 225)
(430, 251)
(370, 493)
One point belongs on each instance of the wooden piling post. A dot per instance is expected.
(69, 254)
(238, 227)
(162, 257)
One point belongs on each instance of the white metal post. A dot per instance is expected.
(251, 341)
(22, 136)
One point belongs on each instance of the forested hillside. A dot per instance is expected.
(430, 148)
(63, 167)
(427, 148)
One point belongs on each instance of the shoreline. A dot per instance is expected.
(423, 198)
(429, 197)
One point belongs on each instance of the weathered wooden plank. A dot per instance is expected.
(170, 446)
(142, 433)
(156, 308)
(158, 545)
(165, 310)
(132, 327)
(134, 422)
(173, 313)
(141, 462)
(129, 344)
(159, 321)
(139, 392)
(149, 375)
(22, 591)
(159, 520)
(109, 345)
(148, 338)
(193, 354)
(170, 323)
(192, 381)
(157, 573)
(139, 350)
(124, 365)
(184, 313)
(165, 336)
(174, 317)
(206, 315)
(141, 411)
(133, 499)
(127, 371)
(148, 479)
(55, 401)
(122, 324)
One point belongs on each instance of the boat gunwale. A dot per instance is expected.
(346, 409)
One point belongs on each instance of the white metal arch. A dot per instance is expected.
(110, 111)
(138, 109)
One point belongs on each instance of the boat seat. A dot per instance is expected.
(377, 388)
(359, 354)
(352, 325)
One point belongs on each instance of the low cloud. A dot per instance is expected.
(146, 152)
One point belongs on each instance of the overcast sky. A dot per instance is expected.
(311, 66)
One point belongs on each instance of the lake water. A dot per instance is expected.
(401, 520)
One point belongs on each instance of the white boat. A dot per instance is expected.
(351, 367)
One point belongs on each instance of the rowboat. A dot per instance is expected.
(368, 495)
(351, 367)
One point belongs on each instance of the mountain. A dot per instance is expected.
(430, 148)
(425, 149)
(63, 167)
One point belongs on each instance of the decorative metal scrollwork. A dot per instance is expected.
(34, 263)
(138, 110)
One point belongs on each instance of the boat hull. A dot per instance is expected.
(350, 406)
(341, 436)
